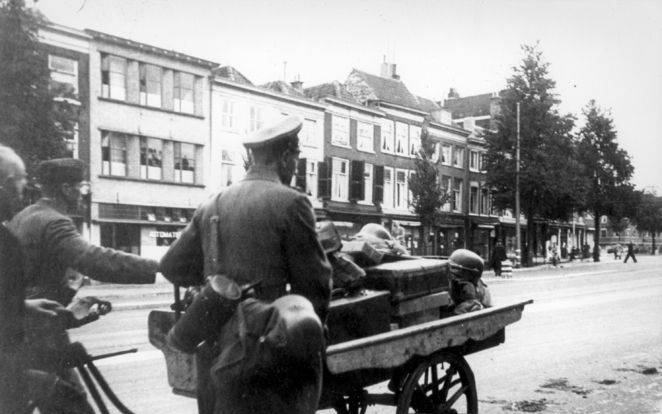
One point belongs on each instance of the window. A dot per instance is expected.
(414, 140)
(113, 153)
(474, 160)
(457, 195)
(151, 158)
(447, 185)
(387, 136)
(437, 152)
(150, 85)
(183, 93)
(410, 195)
(446, 153)
(64, 76)
(367, 181)
(473, 198)
(401, 189)
(311, 179)
(113, 77)
(340, 131)
(256, 119)
(307, 134)
(231, 167)
(339, 179)
(228, 116)
(184, 162)
(401, 138)
(483, 164)
(485, 201)
(365, 137)
(459, 157)
(388, 187)
(124, 237)
(71, 141)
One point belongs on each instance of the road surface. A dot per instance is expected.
(591, 343)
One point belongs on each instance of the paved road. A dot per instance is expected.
(591, 343)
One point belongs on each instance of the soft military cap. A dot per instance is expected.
(61, 170)
(286, 128)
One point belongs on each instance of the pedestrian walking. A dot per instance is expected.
(498, 256)
(630, 253)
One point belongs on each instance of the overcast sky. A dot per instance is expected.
(607, 50)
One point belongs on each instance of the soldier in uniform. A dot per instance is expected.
(56, 256)
(265, 232)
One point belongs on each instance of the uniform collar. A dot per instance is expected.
(51, 203)
(261, 172)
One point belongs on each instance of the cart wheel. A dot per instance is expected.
(441, 384)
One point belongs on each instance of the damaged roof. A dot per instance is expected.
(231, 73)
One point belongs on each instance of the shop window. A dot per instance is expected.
(184, 162)
(150, 85)
(151, 158)
(124, 237)
(113, 153)
(113, 77)
(165, 235)
(183, 93)
(365, 137)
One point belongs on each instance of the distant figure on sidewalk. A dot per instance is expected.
(630, 253)
(498, 256)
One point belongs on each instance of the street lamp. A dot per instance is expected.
(518, 238)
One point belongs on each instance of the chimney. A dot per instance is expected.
(388, 71)
(452, 94)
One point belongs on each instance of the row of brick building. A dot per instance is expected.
(161, 130)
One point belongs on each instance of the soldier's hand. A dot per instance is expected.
(44, 308)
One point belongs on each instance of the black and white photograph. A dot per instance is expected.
(333, 206)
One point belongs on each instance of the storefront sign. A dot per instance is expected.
(164, 234)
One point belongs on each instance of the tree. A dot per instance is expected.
(649, 216)
(608, 170)
(550, 186)
(427, 195)
(32, 122)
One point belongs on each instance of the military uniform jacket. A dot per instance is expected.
(55, 252)
(265, 231)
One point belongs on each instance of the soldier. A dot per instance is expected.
(263, 230)
(13, 306)
(56, 257)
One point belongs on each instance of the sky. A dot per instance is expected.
(607, 50)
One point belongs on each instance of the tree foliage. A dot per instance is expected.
(648, 217)
(607, 169)
(427, 195)
(550, 185)
(31, 121)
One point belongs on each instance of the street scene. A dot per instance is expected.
(344, 207)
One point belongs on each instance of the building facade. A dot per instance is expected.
(149, 142)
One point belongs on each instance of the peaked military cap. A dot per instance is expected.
(61, 170)
(286, 128)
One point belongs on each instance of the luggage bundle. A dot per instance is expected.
(377, 286)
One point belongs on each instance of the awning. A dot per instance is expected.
(485, 226)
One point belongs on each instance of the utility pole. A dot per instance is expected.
(518, 236)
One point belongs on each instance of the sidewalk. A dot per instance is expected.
(161, 294)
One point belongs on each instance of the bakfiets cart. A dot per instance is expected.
(400, 335)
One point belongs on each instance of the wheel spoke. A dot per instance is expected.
(449, 403)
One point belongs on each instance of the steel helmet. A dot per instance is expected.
(376, 230)
(466, 264)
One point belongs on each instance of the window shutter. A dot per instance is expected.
(377, 141)
(357, 183)
(352, 133)
(301, 175)
(378, 184)
(328, 122)
(324, 179)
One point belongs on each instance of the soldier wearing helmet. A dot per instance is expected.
(467, 290)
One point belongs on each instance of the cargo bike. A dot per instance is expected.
(399, 338)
